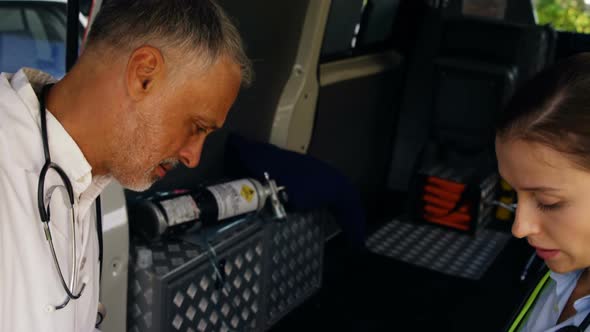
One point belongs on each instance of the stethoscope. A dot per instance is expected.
(43, 200)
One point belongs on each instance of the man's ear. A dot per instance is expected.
(145, 70)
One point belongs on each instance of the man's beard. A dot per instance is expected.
(134, 147)
(150, 176)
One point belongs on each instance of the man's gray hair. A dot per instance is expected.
(188, 25)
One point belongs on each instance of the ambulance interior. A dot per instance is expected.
(358, 108)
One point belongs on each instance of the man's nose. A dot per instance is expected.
(526, 220)
(190, 154)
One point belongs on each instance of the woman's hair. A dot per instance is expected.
(553, 109)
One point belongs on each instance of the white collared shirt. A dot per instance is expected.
(552, 301)
(29, 282)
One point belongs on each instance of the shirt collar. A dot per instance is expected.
(564, 280)
(582, 304)
(64, 150)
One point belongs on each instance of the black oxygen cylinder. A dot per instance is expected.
(171, 214)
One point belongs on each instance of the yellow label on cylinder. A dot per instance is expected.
(248, 193)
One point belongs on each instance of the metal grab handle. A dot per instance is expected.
(509, 207)
(278, 208)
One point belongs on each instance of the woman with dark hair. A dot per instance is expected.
(543, 151)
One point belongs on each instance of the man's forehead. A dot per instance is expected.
(211, 115)
(211, 94)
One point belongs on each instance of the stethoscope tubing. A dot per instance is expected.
(44, 211)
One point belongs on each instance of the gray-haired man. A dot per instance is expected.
(155, 78)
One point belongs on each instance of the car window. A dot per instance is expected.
(33, 35)
(572, 16)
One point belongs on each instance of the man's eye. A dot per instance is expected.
(199, 130)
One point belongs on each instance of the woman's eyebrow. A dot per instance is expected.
(540, 188)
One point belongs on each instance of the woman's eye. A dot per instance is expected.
(548, 207)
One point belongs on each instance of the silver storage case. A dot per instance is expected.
(268, 268)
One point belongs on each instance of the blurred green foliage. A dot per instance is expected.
(569, 15)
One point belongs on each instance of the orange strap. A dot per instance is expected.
(448, 195)
(446, 223)
(437, 211)
(448, 185)
(455, 217)
(438, 201)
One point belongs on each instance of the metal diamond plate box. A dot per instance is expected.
(439, 249)
(245, 280)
